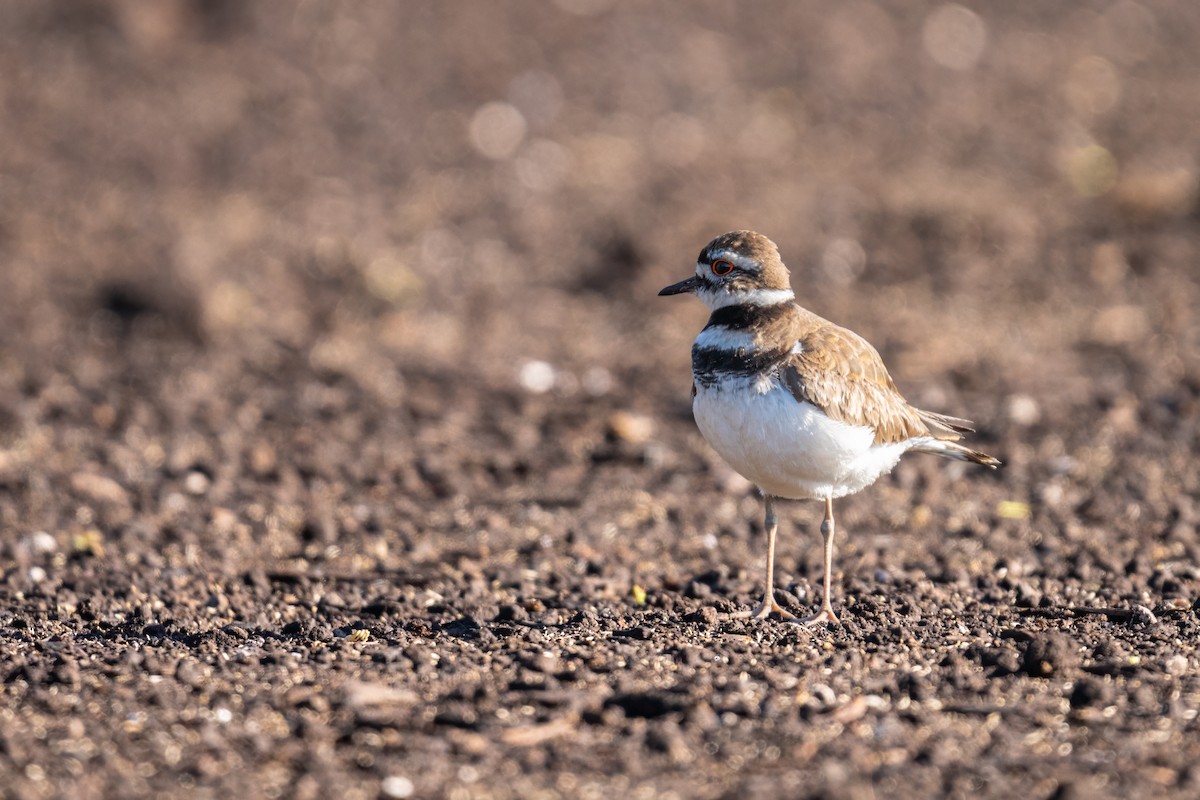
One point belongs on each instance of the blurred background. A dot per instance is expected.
(369, 289)
(355, 228)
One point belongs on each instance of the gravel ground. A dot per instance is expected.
(346, 450)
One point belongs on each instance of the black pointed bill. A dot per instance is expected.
(683, 287)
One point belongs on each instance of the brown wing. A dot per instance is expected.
(840, 373)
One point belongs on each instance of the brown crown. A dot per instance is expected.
(753, 247)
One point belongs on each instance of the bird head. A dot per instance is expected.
(737, 268)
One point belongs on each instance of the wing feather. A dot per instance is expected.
(840, 373)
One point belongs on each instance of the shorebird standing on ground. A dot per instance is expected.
(800, 407)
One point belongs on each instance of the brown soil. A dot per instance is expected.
(346, 450)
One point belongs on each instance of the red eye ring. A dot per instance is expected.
(721, 267)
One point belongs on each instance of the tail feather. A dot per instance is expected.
(942, 425)
(947, 449)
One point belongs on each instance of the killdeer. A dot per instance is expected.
(800, 407)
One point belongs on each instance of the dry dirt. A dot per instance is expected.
(346, 450)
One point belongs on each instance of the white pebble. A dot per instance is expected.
(42, 542)
(397, 786)
(1023, 409)
(536, 377)
(196, 482)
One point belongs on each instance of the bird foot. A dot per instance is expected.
(823, 617)
(765, 609)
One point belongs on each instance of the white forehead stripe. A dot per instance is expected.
(798, 348)
(723, 338)
(738, 260)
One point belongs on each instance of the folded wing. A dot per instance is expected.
(840, 373)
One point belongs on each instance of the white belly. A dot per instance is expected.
(789, 448)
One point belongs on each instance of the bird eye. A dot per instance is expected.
(722, 267)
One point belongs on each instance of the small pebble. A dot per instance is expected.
(824, 694)
(1050, 654)
(99, 489)
(397, 786)
(707, 615)
(1023, 410)
(1013, 509)
(637, 632)
(196, 483)
(536, 377)
(1177, 664)
(42, 542)
(511, 612)
(262, 459)
(1143, 616)
(1027, 596)
(629, 427)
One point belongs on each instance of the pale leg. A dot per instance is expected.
(826, 613)
(768, 604)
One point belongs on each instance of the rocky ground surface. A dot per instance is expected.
(346, 450)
